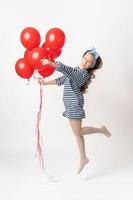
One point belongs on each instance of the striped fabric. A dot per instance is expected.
(72, 79)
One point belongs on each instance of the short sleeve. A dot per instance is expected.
(61, 80)
(76, 75)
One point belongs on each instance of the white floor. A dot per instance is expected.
(21, 178)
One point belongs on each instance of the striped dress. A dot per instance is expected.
(72, 79)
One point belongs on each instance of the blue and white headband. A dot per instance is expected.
(95, 55)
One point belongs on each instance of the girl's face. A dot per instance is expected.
(86, 61)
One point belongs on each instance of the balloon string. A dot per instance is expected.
(39, 151)
(38, 148)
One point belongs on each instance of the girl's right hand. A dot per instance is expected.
(41, 82)
(45, 61)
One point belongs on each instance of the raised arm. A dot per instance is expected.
(66, 70)
(79, 76)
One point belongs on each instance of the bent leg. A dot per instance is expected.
(91, 130)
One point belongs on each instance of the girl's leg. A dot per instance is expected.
(76, 128)
(90, 130)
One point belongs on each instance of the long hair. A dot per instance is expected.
(91, 71)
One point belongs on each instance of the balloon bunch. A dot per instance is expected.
(50, 49)
(25, 67)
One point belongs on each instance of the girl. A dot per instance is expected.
(76, 81)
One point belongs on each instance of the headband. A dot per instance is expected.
(95, 55)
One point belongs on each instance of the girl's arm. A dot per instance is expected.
(66, 70)
(51, 82)
(78, 76)
(58, 81)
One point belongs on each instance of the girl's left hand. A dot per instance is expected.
(41, 82)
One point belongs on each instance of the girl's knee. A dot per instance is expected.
(77, 134)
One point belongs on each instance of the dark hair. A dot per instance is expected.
(91, 71)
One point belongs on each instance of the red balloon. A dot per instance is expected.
(51, 53)
(30, 38)
(55, 38)
(26, 54)
(23, 69)
(56, 53)
(35, 55)
(47, 71)
(46, 47)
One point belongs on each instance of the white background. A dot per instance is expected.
(107, 25)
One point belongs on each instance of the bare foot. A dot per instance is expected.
(106, 131)
(82, 164)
